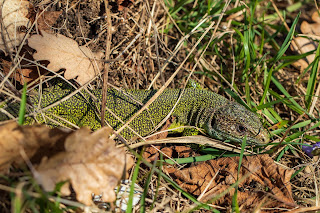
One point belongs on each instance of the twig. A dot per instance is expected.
(106, 66)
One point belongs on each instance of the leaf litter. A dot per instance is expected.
(14, 16)
(261, 182)
(264, 182)
(90, 162)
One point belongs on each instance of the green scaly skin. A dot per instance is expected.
(219, 117)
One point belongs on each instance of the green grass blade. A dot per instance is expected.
(245, 38)
(301, 124)
(267, 85)
(284, 91)
(280, 53)
(288, 39)
(133, 181)
(234, 204)
(189, 159)
(316, 125)
(313, 78)
(146, 187)
(179, 6)
(158, 182)
(23, 103)
(286, 102)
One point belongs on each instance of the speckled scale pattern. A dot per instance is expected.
(80, 110)
(125, 107)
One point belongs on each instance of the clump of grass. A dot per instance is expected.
(244, 55)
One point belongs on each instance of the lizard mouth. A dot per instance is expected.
(263, 136)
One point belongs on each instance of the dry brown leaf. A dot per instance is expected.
(266, 183)
(64, 53)
(124, 4)
(30, 139)
(307, 28)
(91, 163)
(47, 19)
(14, 16)
(315, 17)
(305, 45)
(25, 74)
(26, 71)
(151, 153)
(164, 130)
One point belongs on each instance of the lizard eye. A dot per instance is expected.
(241, 129)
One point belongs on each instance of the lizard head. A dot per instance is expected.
(233, 122)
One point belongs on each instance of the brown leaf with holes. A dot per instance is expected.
(263, 183)
(91, 163)
(31, 139)
(14, 16)
(64, 53)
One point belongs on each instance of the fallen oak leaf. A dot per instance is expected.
(30, 139)
(91, 163)
(14, 15)
(100, 164)
(64, 53)
(265, 182)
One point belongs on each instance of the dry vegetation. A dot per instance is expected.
(234, 51)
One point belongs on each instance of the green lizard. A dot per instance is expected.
(217, 116)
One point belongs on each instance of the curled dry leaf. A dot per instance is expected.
(64, 53)
(14, 16)
(265, 184)
(29, 138)
(91, 163)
